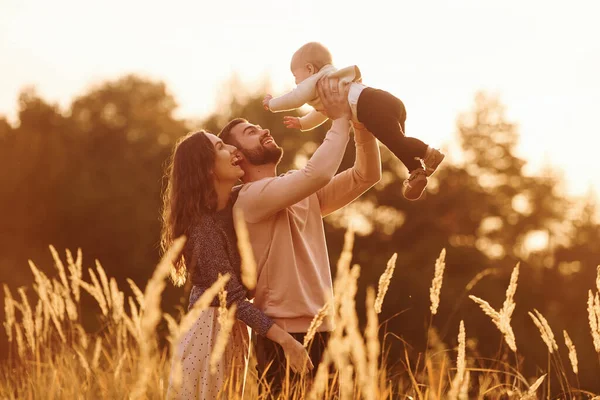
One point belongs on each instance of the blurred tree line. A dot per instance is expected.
(90, 177)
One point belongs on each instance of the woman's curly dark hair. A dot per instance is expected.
(189, 193)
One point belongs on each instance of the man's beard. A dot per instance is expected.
(262, 155)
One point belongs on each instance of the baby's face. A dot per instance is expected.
(301, 70)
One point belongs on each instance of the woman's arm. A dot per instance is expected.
(212, 257)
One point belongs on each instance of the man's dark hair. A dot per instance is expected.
(225, 133)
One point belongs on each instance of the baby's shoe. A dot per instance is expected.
(415, 184)
(433, 158)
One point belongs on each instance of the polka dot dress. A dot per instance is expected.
(194, 352)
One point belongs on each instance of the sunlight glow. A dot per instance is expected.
(433, 55)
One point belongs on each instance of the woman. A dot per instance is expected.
(198, 203)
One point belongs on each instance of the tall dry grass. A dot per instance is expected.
(52, 356)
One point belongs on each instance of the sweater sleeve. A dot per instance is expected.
(346, 186)
(302, 94)
(312, 120)
(212, 259)
(246, 311)
(262, 199)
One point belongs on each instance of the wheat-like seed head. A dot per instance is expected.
(343, 265)
(597, 308)
(117, 300)
(461, 364)
(248, 265)
(173, 328)
(119, 366)
(176, 374)
(57, 299)
(62, 287)
(598, 278)
(132, 327)
(152, 315)
(509, 304)
(139, 295)
(384, 282)
(321, 378)
(93, 291)
(97, 352)
(60, 267)
(346, 386)
(500, 319)
(373, 347)
(83, 361)
(436, 284)
(39, 322)
(47, 295)
(135, 315)
(223, 313)
(316, 323)
(572, 352)
(456, 386)
(343, 271)
(105, 285)
(75, 274)
(222, 339)
(27, 321)
(71, 308)
(531, 393)
(83, 337)
(200, 305)
(593, 321)
(9, 312)
(20, 344)
(486, 307)
(545, 331)
(98, 293)
(353, 354)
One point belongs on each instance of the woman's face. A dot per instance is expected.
(226, 167)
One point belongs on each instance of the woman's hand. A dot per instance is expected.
(295, 353)
(297, 356)
(292, 122)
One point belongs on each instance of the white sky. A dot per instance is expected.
(541, 57)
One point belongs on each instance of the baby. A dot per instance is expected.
(379, 111)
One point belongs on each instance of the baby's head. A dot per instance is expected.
(308, 60)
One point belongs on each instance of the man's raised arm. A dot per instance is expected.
(347, 186)
(263, 198)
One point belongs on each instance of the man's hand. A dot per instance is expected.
(334, 101)
(292, 122)
(266, 101)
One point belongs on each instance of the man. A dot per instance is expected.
(284, 218)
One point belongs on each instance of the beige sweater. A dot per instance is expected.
(306, 93)
(284, 217)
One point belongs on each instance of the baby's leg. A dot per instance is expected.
(384, 115)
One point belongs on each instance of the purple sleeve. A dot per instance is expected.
(246, 311)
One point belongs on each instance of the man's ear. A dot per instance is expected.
(240, 155)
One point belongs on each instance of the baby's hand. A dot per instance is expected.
(266, 101)
(292, 122)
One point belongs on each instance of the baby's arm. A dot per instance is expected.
(304, 92)
(312, 120)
